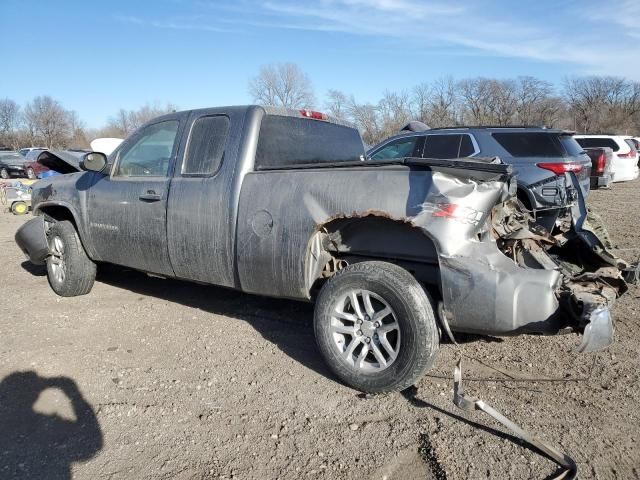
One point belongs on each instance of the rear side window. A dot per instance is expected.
(570, 145)
(290, 141)
(207, 142)
(466, 146)
(631, 143)
(599, 142)
(530, 144)
(448, 146)
(401, 148)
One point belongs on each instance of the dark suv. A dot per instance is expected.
(550, 165)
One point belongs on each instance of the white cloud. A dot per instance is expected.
(574, 32)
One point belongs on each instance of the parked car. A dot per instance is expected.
(636, 143)
(11, 164)
(282, 203)
(60, 162)
(25, 151)
(624, 165)
(540, 157)
(601, 158)
(31, 165)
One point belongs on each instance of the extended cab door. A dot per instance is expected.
(203, 200)
(127, 211)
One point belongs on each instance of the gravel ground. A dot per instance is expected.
(151, 378)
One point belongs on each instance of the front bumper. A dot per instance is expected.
(32, 240)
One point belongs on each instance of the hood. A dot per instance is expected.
(61, 161)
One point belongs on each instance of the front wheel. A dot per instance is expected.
(4, 173)
(30, 173)
(69, 270)
(375, 327)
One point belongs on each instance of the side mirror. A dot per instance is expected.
(93, 162)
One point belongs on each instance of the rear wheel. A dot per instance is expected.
(375, 327)
(4, 173)
(30, 173)
(69, 270)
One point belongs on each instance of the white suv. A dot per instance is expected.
(624, 165)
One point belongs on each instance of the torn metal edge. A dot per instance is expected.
(469, 404)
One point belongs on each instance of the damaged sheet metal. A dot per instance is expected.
(469, 404)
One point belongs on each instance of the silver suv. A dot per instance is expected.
(550, 165)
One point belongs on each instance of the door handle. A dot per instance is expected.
(150, 196)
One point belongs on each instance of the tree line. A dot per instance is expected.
(590, 104)
(44, 122)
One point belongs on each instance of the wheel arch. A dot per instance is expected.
(341, 241)
(61, 211)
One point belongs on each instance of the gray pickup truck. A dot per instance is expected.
(284, 203)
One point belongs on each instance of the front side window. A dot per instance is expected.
(150, 154)
(400, 148)
(207, 142)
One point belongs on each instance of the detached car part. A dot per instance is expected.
(470, 404)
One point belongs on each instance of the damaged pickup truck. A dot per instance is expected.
(284, 204)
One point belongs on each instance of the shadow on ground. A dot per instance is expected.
(411, 395)
(36, 445)
(286, 323)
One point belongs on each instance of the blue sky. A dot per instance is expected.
(96, 57)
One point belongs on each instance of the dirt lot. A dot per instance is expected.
(150, 378)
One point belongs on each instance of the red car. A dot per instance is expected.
(31, 167)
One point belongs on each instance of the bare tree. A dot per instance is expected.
(394, 111)
(337, 104)
(283, 85)
(533, 100)
(365, 117)
(475, 94)
(78, 136)
(9, 122)
(125, 122)
(46, 118)
(439, 102)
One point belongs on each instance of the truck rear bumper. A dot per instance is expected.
(32, 240)
(601, 181)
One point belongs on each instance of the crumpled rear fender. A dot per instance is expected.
(485, 292)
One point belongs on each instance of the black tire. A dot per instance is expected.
(4, 173)
(414, 313)
(79, 271)
(30, 173)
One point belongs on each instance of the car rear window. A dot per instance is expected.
(599, 142)
(290, 141)
(531, 144)
(207, 142)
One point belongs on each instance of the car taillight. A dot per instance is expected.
(314, 115)
(600, 163)
(561, 168)
(632, 154)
